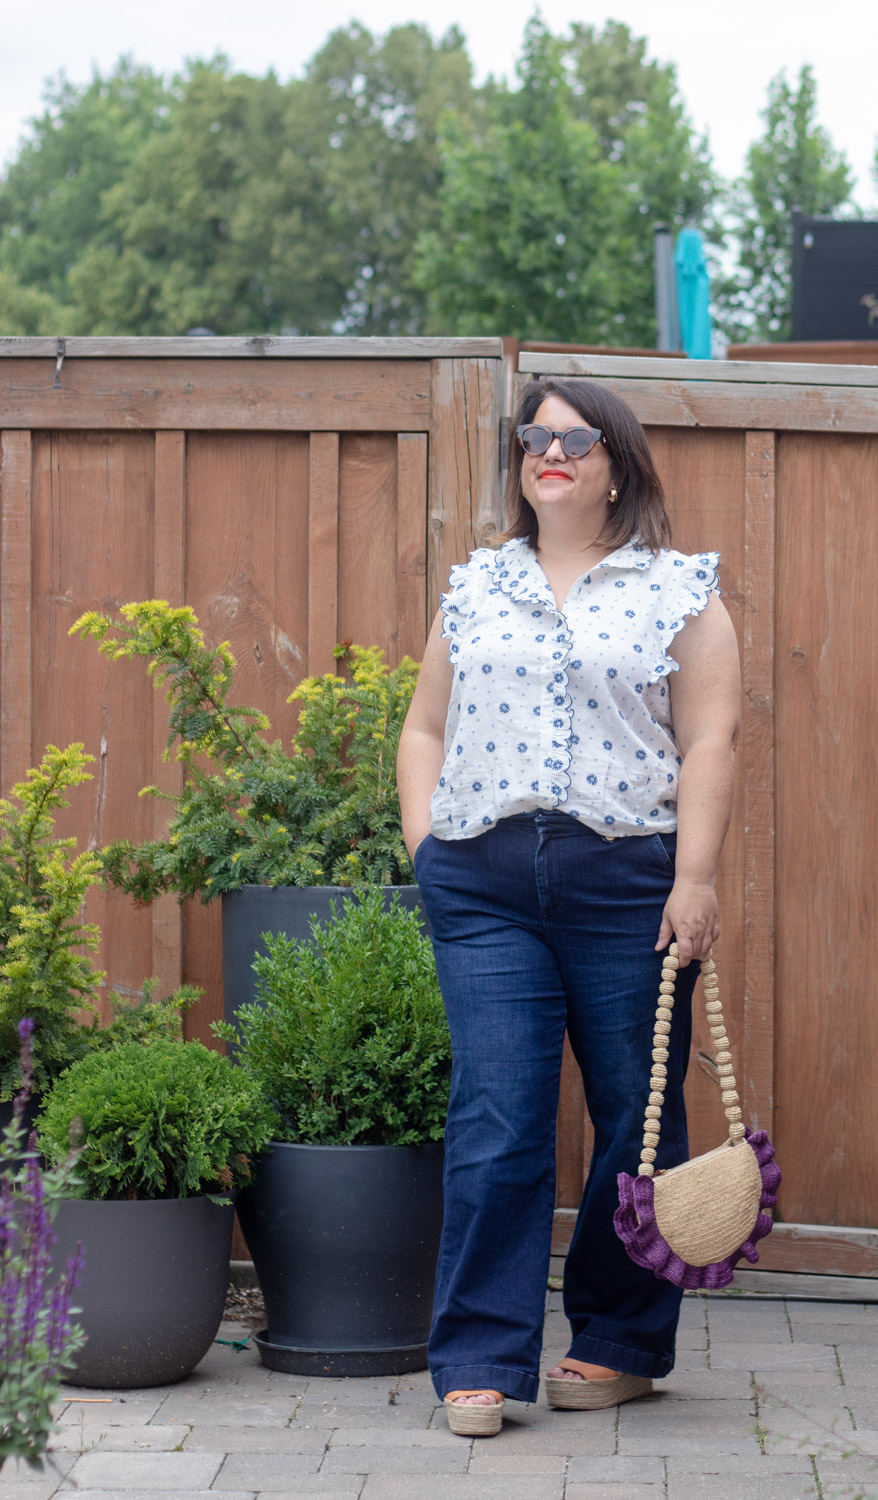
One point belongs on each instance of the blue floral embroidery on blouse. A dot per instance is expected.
(616, 677)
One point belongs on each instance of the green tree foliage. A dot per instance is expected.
(26, 310)
(549, 203)
(365, 121)
(238, 203)
(792, 166)
(51, 199)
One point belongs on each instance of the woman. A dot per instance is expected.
(566, 775)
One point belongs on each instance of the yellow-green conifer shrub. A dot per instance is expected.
(323, 812)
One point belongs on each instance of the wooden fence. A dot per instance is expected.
(844, 352)
(296, 492)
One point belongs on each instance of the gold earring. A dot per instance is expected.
(613, 495)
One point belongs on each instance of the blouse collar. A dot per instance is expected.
(517, 572)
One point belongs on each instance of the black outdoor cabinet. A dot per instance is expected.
(835, 279)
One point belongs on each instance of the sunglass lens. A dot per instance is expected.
(536, 439)
(577, 442)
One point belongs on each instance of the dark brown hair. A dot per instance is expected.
(640, 508)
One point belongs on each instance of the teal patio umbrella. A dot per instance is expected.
(693, 294)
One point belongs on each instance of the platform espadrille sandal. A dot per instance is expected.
(474, 1421)
(594, 1395)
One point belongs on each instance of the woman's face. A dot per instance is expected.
(568, 487)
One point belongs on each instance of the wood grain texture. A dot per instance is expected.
(820, 1249)
(792, 1285)
(259, 346)
(704, 479)
(168, 584)
(15, 607)
(849, 352)
(826, 668)
(219, 395)
(749, 407)
(468, 398)
(756, 755)
(367, 610)
(706, 372)
(563, 1225)
(411, 544)
(246, 551)
(814, 1249)
(323, 501)
(93, 536)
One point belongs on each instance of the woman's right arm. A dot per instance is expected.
(421, 754)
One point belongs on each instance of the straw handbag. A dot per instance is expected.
(691, 1224)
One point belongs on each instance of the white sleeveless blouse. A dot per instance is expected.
(565, 709)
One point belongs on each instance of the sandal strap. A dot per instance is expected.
(454, 1395)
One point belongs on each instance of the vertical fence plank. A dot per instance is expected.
(15, 590)
(757, 747)
(411, 543)
(467, 400)
(168, 584)
(322, 551)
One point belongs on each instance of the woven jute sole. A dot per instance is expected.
(593, 1395)
(474, 1421)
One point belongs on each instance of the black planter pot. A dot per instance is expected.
(153, 1286)
(344, 1240)
(289, 909)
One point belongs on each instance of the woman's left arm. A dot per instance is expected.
(705, 707)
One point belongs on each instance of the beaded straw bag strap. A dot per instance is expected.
(691, 1225)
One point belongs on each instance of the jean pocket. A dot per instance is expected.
(665, 854)
(424, 840)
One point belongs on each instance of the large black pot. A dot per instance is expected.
(153, 1286)
(289, 909)
(344, 1240)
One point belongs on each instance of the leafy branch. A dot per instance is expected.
(323, 812)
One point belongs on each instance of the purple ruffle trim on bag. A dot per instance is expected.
(636, 1226)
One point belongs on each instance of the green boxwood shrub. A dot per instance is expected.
(348, 1039)
(165, 1120)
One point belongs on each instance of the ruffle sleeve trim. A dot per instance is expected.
(696, 580)
(457, 606)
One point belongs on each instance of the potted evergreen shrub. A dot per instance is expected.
(349, 1044)
(166, 1131)
(277, 832)
(46, 970)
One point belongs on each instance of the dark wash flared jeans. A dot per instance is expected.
(540, 924)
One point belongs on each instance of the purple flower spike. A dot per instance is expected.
(636, 1226)
(25, 1028)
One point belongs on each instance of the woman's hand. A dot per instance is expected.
(691, 915)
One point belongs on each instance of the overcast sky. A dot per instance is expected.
(725, 52)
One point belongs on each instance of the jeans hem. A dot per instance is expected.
(620, 1357)
(516, 1384)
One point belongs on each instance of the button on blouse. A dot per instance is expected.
(569, 708)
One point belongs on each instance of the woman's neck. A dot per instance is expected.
(578, 555)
